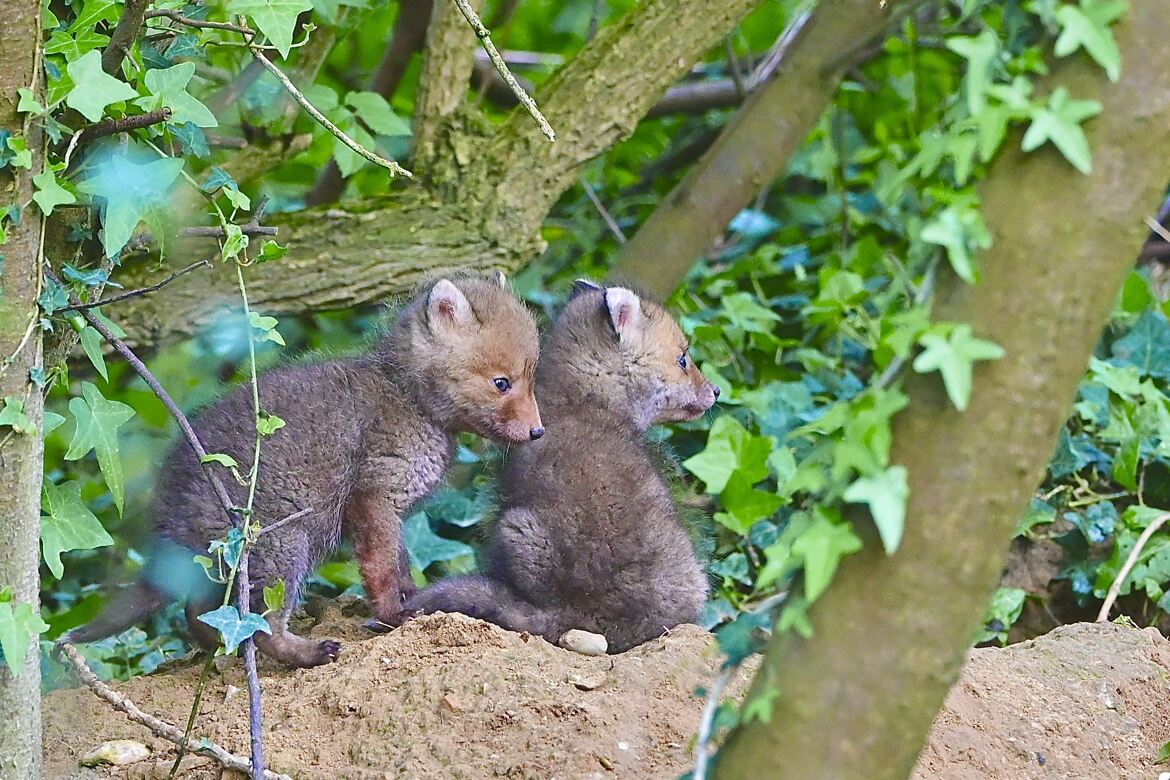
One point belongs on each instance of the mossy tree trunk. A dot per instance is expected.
(858, 698)
(20, 350)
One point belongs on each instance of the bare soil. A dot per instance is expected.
(451, 697)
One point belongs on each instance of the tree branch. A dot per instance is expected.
(448, 57)
(904, 642)
(133, 15)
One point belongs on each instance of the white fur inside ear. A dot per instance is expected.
(447, 304)
(501, 279)
(625, 310)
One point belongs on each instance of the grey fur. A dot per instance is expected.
(365, 439)
(589, 535)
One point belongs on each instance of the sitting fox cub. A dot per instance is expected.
(589, 536)
(365, 439)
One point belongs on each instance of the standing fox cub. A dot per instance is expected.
(365, 439)
(589, 536)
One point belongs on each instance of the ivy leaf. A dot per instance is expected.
(822, 546)
(93, 88)
(132, 184)
(270, 250)
(221, 459)
(91, 342)
(1060, 122)
(980, 51)
(373, 109)
(233, 627)
(745, 505)
(1088, 27)
(12, 414)
(168, 88)
(268, 424)
(98, 419)
(958, 229)
(730, 449)
(886, 495)
(50, 193)
(28, 102)
(275, 18)
(19, 623)
(234, 242)
(1146, 347)
(67, 524)
(267, 328)
(425, 547)
(51, 422)
(349, 161)
(953, 357)
(274, 596)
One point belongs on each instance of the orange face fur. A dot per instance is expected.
(488, 346)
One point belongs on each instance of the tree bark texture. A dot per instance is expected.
(21, 456)
(858, 698)
(752, 149)
(493, 186)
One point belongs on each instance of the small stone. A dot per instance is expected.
(623, 746)
(453, 702)
(584, 642)
(118, 752)
(605, 762)
(586, 682)
(230, 693)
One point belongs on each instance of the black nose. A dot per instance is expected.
(715, 390)
(535, 433)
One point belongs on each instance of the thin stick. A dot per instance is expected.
(1130, 562)
(394, 168)
(207, 231)
(706, 724)
(493, 54)
(158, 727)
(284, 521)
(175, 16)
(610, 222)
(139, 291)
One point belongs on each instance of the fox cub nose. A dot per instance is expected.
(536, 433)
(715, 390)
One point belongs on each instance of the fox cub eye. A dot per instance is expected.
(502, 384)
(682, 361)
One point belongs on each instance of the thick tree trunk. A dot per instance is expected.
(21, 454)
(493, 186)
(857, 699)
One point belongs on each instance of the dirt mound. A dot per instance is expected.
(1086, 701)
(442, 697)
(450, 697)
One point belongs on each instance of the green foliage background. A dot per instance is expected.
(808, 314)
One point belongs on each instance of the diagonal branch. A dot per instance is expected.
(133, 15)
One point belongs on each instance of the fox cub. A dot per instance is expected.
(365, 439)
(588, 535)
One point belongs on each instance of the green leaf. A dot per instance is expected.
(1125, 464)
(275, 18)
(959, 230)
(980, 52)
(1060, 122)
(28, 102)
(22, 155)
(1004, 610)
(886, 495)
(821, 547)
(267, 328)
(268, 424)
(425, 547)
(12, 414)
(234, 242)
(19, 623)
(1163, 754)
(953, 357)
(51, 422)
(220, 458)
(274, 596)
(67, 524)
(131, 183)
(745, 505)
(270, 250)
(94, 89)
(91, 342)
(98, 420)
(1088, 27)
(50, 193)
(168, 88)
(730, 449)
(373, 109)
(349, 161)
(759, 707)
(1039, 513)
(233, 627)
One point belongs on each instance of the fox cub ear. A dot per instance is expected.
(625, 311)
(447, 305)
(580, 286)
(499, 278)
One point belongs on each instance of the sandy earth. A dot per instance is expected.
(451, 697)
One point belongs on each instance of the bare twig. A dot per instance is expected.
(703, 740)
(133, 15)
(390, 165)
(525, 99)
(1130, 562)
(604, 212)
(210, 231)
(139, 291)
(187, 21)
(158, 727)
(109, 127)
(284, 521)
